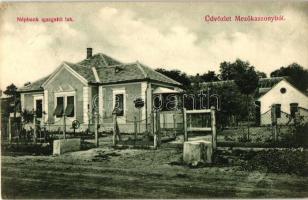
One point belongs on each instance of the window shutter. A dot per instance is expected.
(59, 108)
(69, 111)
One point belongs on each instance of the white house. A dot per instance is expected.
(287, 99)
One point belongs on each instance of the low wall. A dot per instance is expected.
(195, 152)
(66, 145)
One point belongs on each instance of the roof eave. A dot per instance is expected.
(168, 83)
(34, 90)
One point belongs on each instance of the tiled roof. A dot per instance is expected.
(99, 60)
(85, 71)
(109, 70)
(263, 82)
(269, 82)
(35, 86)
(154, 75)
(119, 73)
(130, 72)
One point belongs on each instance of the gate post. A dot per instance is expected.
(114, 129)
(213, 124)
(34, 130)
(274, 121)
(185, 125)
(153, 128)
(174, 125)
(64, 125)
(157, 133)
(96, 129)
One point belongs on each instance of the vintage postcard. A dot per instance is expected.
(154, 100)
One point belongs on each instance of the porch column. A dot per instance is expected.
(149, 98)
(143, 96)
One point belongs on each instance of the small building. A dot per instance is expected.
(99, 84)
(287, 99)
(274, 91)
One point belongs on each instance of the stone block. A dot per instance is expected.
(66, 145)
(195, 152)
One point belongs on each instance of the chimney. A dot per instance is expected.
(89, 53)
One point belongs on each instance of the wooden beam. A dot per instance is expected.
(213, 124)
(199, 129)
(198, 111)
(185, 124)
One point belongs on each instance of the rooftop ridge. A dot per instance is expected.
(142, 70)
(170, 79)
(104, 59)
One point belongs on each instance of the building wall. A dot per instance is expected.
(28, 100)
(65, 82)
(132, 91)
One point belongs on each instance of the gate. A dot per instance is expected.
(200, 121)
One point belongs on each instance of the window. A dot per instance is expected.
(293, 109)
(60, 107)
(119, 104)
(283, 90)
(157, 102)
(170, 102)
(39, 108)
(70, 110)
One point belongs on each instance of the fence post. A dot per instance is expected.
(10, 131)
(96, 129)
(155, 140)
(64, 126)
(164, 121)
(158, 129)
(153, 128)
(34, 130)
(139, 120)
(274, 122)
(156, 133)
(185, 125)
(213, 123)
(135, 129)
(174, 125)
(114, 129)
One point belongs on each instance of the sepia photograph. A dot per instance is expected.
(154, 99)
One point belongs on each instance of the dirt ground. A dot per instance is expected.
(127, 173)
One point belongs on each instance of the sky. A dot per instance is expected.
(160, 35)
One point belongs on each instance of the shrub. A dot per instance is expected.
(279, 161)
(301, 134)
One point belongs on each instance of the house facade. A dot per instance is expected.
(97, 84)
(288, 101)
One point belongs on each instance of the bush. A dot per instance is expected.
(301, 134)
(279, 161)
(26, 149)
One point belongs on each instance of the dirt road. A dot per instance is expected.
(109, 173)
